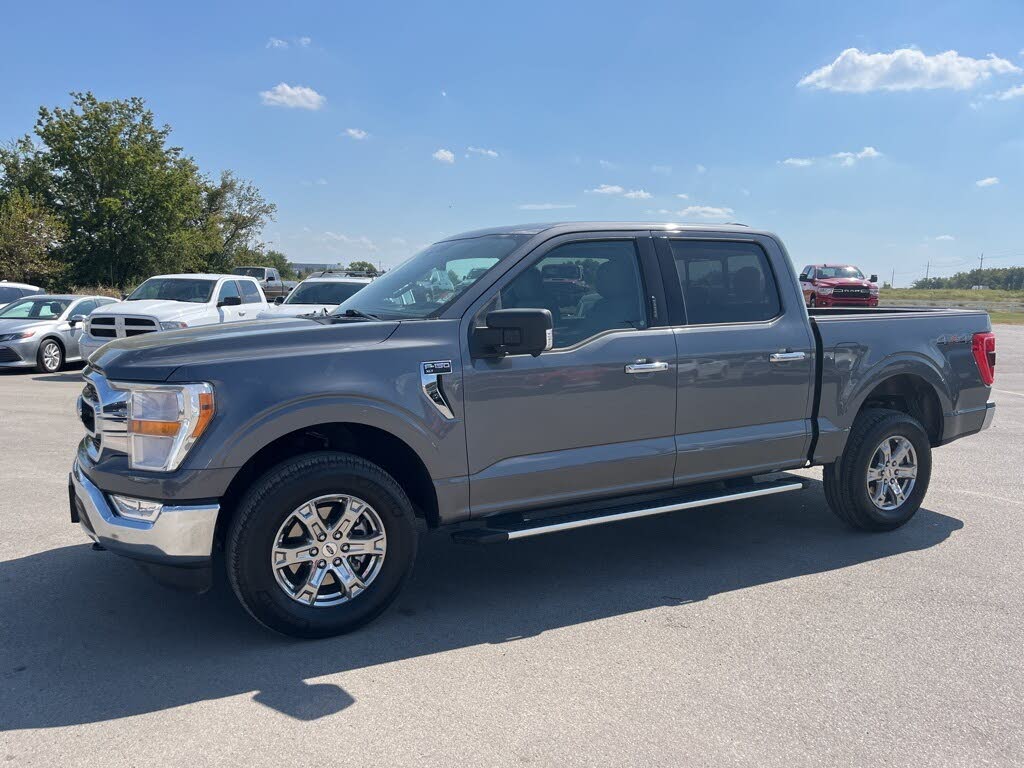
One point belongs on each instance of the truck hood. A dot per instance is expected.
(158, 308)
(156, 356)
(294, 310)
(832, 282)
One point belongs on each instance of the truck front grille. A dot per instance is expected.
(118, 327)
(851, 293)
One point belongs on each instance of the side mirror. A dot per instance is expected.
(230, 301)
(803, 277)
(75, 320)
(873, 278)
(279, 300)
(513, 332)
(124, 296)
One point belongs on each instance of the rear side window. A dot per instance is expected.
(250, 293)
(725, 282)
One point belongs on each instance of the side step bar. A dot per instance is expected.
(495, 533)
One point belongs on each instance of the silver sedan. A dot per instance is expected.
(43, 331)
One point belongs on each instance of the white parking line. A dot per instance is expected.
(1008, 392)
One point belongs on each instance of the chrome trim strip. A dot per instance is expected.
(542, 529)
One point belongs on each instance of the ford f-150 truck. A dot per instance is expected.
(685, 372)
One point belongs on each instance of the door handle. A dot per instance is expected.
(644, 367)
(786, 357)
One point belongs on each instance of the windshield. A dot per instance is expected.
(249, 271)
(432, 278)
(327, 292)
(7, 293)
(828, 273)
(35, 309)
(174, 289)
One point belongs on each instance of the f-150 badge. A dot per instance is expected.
(437, 367)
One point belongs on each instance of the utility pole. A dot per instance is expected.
(927, 269)
(892, 280)
(981, 261)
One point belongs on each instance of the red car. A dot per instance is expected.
(838, 285)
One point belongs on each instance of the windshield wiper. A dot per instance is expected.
(360, 313)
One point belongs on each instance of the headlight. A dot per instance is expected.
(16, 336)
(822, 290)
(171, 326)
(164, 421)
(873, 290)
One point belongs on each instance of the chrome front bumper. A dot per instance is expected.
(179, 535)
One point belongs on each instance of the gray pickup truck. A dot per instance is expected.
(270, 281)
(486, 386)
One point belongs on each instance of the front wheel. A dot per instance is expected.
(881, 479)
(50, 357)
(321, 545)
(811, 302)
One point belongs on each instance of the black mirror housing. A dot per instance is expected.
(75, 320)
(803, 277)
(514, 332)
(279, 300)
(230, 301)
(873, 278)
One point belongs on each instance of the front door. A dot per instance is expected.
(594, 415)
(229, 313)
(746, 357)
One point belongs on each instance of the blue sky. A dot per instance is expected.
(612, 110)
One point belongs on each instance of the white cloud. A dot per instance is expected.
(292, 96)
(845, 159)
(305, 42)
(337, 238)
(276, 42)
(706, 212)
(683, 196)
(444, 93)
(606, 163)
(945, 237)
(356, 133)
(444, 156)
(663, 170)
(905, 69)
(637, 194)
(545, 206)
(482, 151)
(607, 189)
(1010, 93)
(701, 169)
(988, 181)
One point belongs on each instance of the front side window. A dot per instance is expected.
(194, 291)
(433, 278)
(35, 309)
(589, 287)
(228, 289)
(725, 282)
(250, 292)
(85, 307)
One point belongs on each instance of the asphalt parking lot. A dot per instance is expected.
(760, 633)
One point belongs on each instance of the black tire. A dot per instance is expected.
(41, 357)
(846, 479)
(273, 498)
(811, 302)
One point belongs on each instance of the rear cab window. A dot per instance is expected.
(725, 282)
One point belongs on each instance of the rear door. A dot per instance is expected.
(745, 355)
(594, 415)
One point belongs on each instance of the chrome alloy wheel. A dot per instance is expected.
(328, 550)
(892, 473)
(51, 356)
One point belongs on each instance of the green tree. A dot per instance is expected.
(131, 204)
(28, 232)
(363, 266)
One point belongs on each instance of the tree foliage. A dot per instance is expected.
(363, 266)
(1006, 278)
(28, 232)
(129, 204)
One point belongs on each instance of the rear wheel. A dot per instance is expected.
(50, 357)
(321, 545)
(881, 479)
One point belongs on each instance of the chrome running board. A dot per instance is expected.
(494, 532)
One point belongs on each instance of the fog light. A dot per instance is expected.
(136, 509)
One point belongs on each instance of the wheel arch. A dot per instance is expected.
(914, 392)
(394, 455)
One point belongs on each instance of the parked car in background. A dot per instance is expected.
(43, 331)
(838, 285)
(172, 302)
(693, 378)
(13, 291)
(269, 279)
(319, 293)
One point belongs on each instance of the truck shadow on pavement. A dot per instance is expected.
(86, 637)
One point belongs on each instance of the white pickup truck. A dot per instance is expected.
(172, 302)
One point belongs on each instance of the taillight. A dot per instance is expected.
(984, 347)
